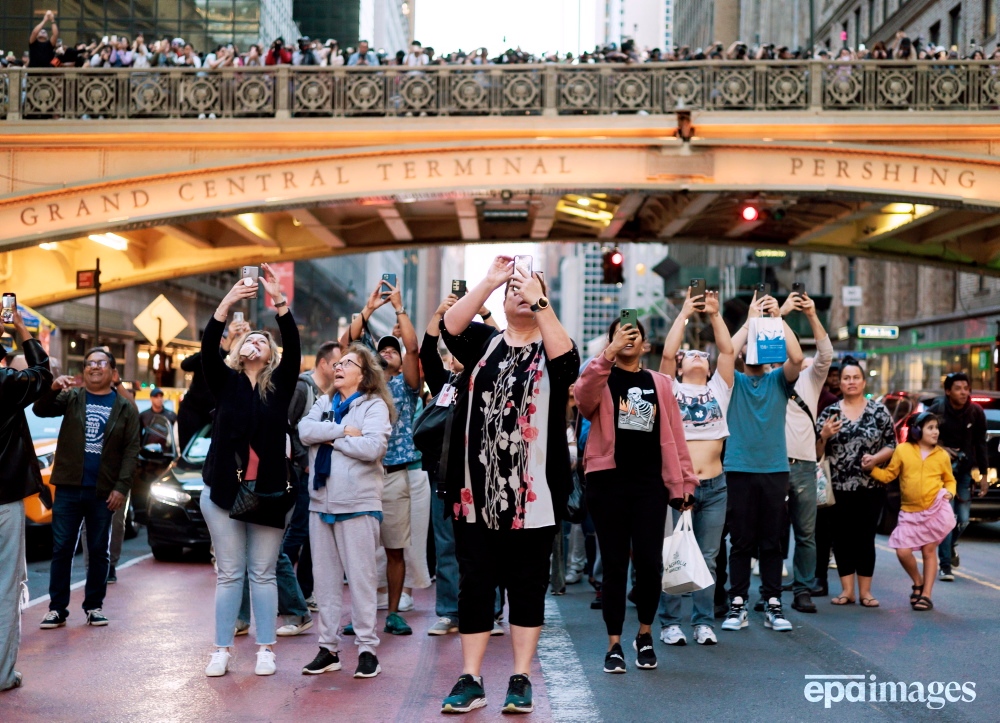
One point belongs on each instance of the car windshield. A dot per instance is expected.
(197, 449)
(42, 427)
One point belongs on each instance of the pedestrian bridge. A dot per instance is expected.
(165, 173)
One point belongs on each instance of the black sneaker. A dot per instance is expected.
(96, 618)
(518, 698)
(598, 602)
(645, 657)
(368, 666)
(324, 662)
(614, 660)
(112, 576)
(53, 619)
(468, 694)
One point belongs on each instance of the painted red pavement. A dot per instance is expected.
(148, 664)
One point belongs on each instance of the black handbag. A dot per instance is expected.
(891, 504)
(260, 508)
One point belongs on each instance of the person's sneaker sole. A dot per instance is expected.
(328, 669)
(616, 671)
(635, 647)
(511, 708)
(97, 623)
(707, 641)
(358, 674)
(743, 624)
(53, 626)
(477, 703)
(293, 629)
(767, 624)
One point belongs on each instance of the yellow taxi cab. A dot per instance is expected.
(38, 508)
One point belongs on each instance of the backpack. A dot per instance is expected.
(311, 390)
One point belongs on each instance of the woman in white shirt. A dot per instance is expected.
(704, 400)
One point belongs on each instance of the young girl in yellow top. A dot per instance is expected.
(926, 486)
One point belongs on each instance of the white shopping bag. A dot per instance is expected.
(684, 568)
(766, 341)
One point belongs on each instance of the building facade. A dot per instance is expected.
(650, 23)
(385, 24)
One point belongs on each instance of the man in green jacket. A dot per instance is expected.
(96, 454)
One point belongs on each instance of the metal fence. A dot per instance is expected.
(654, 88)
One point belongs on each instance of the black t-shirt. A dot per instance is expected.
(40, 54)
(637, 426)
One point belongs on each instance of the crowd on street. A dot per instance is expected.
(46, 50)
(530, 468)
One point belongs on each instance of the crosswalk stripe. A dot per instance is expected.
(569, 692)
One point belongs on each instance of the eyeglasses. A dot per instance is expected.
(96, 364)
(696, 354)
(340, 364)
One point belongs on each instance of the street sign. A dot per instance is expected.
(874, 331)
(852, 296)
(148, 322)
(86, 279)
(843, 333)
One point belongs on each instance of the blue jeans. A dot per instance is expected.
(709, 518)
(802, 511)
(962, 504)
(242, 548)
(291, 601)
(446, 605)
(71, 507)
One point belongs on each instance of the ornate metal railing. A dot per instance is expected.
(283, 92)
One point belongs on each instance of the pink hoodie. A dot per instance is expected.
(593, 397)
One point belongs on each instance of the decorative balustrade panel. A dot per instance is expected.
(102, 94)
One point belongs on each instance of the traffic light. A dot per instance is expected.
(612, 266)
(750, 213)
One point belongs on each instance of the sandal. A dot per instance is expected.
(869, 602)
(918, 590)
(922, 603)
(841, 600)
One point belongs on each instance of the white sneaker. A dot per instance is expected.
(573, 577)
(497, 628)
(443, 626)
(265, 662)
(784, 570)
(673, 635)
(704, 635)
(383, 601)
(219, 664)
(774, 618)
(312, 604)
(295, 628)
(736, 618)
(405, 603)
(756, 566)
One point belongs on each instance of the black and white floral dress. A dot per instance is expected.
(868, 434)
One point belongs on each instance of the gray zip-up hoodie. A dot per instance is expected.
(356, 474)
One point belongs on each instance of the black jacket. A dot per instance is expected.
(19, 473)
(965, 430)
(300, 407)
(120, 453)
(243, 419)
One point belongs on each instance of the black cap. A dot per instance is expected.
(387, 341)
(156, 392)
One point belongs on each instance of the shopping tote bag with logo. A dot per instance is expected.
(684, 568)
(766, 343)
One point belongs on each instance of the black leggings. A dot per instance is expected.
(628, 515)
(855, 520)
(514, 560)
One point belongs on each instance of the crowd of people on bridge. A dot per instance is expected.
(47, 50)
(531, 468)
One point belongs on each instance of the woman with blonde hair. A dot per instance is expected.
(247, 497)
(347, 431)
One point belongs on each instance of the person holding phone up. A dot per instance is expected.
(637, 464)
(508, 470)
(703, 398)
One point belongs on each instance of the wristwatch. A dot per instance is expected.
(542, 303)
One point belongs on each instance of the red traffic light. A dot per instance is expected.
(617, 258)
(750, 213)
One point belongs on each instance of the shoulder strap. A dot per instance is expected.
(805, 408)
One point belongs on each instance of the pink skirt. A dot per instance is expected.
(916, 529)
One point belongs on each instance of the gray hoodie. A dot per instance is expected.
(356, 474)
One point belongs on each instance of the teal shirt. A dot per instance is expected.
(332, 519)
(756, 420)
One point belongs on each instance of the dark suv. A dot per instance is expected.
(173, 511)
(902, 404)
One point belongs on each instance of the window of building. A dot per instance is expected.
(955, 26)
(871, 17)
(822, 280)
(935, 33)
(857, 26)
(885, 11)
(989, 19)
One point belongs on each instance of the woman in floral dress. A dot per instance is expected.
(508, 470)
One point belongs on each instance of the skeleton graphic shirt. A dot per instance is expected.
(637, 432)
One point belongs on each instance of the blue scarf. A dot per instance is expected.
(324, 456)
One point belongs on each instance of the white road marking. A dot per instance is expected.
(78, 585)
(569, 692)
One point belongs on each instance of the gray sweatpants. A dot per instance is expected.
(13, 578)
(345, 547)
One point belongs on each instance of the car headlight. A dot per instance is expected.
(46, 460)
(169, 494)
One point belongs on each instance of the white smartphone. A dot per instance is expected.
(523, 264)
